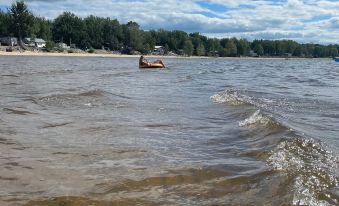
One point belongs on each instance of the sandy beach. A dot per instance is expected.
(57, 54)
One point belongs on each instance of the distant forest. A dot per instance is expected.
(95, 32)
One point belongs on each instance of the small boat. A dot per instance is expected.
(336, 59)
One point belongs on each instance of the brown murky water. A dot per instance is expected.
(99, 131)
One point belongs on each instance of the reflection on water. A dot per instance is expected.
(203, 132)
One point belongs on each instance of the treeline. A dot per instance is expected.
(95, 32)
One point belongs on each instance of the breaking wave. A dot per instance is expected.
(231, 97)
(308, 164)
(257, 118)
(312, 169)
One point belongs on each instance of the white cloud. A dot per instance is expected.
(301, 20)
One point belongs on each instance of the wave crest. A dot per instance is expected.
(232, 97)
(260, 119)
(312, 168)
(255, 118)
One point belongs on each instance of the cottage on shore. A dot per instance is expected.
(159, 50)
(38, 43)
(253, 54)
(8, 41)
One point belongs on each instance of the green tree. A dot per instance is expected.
(269, 47)
(69, 28)
(223, 52)
(21, 20)
(145, 49)
(291, 46)
(213, 47)
(132, 36)
(259, 49)
(333, 52)
(310, 50)
(223, 42)
(94, 30)
(41, 28)
(298, 51)
(112, 34)
(231, 48)
(200, 50)
(161, 37)
(4, 24)
(166, 49)
(197, 40)
(280, 48)
(188, 48)
(177, 40)
(243, 47)
(149, 40)
(50, 46)
(318, 51)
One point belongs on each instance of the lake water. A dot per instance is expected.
(82, 131)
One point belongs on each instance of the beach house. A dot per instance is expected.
(9, 41)
(158, 50)
(253, 54)
(38, 43)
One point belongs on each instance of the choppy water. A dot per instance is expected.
(82, 131)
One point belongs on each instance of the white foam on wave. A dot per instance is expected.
(255, 118)
(312, 166)
(283, 159)
(232, 97)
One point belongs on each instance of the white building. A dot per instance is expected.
(39, 43)
(159, 50)
(9, 41)
(253, 54)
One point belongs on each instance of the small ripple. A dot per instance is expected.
(92, 98)
(6, 141)
(10, 75)
(52, 125)
(16, 111)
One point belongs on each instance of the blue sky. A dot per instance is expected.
(314, 21)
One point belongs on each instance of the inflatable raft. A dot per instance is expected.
(152, 66)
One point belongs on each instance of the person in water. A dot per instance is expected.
(144, 63)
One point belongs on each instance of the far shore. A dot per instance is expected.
(56, 54)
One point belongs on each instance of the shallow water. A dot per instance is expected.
(82, 131)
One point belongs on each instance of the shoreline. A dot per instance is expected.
(55, 54)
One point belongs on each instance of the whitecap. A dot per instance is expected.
(232, 97)
(255, 118)
(312, 167)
